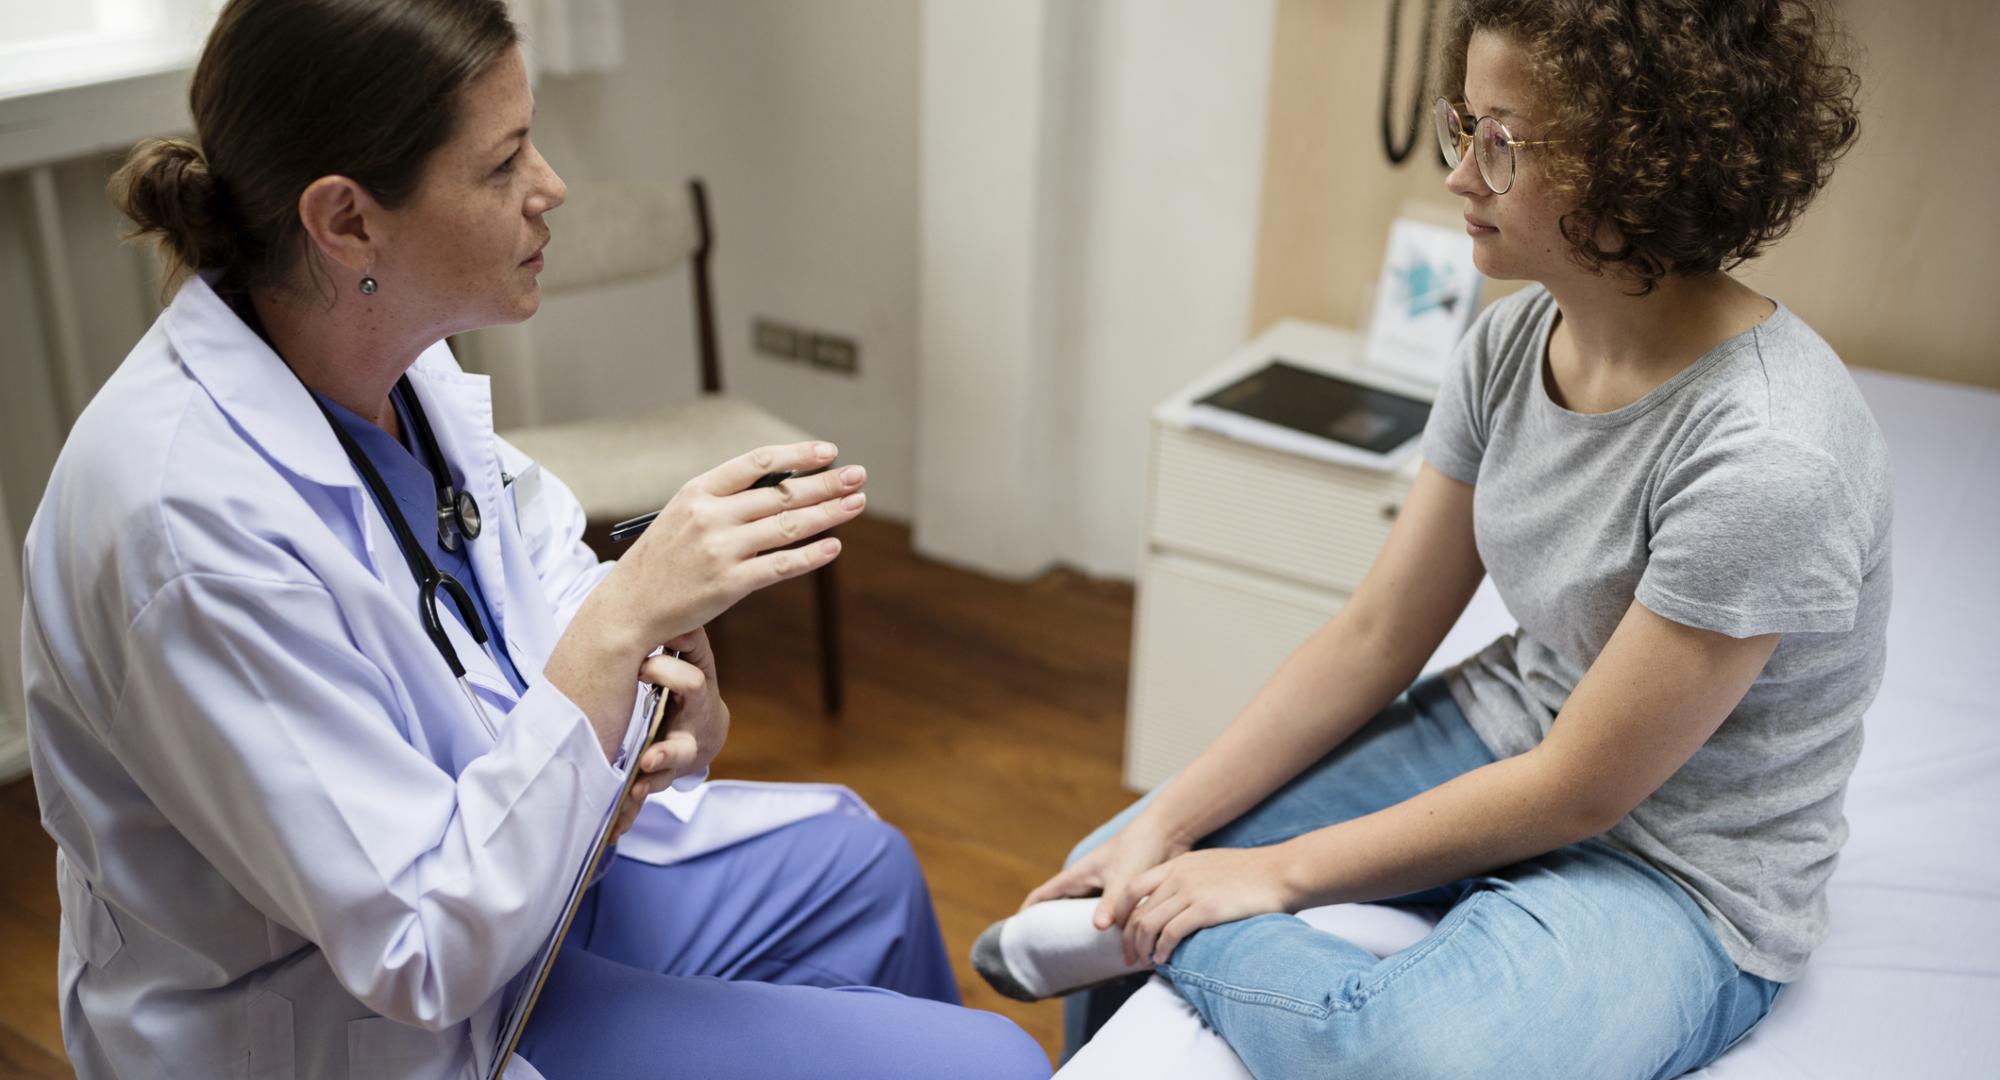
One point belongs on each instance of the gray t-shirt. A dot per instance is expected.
(1749, 494)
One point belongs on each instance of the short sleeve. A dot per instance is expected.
(1756, 535)
(1455, 436)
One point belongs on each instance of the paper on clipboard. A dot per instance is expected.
(636, 741)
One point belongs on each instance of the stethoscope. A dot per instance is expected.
(458, 522)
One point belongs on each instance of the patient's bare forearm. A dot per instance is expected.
(1497, 815)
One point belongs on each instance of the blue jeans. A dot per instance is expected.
(1584, 962)
(808, 952)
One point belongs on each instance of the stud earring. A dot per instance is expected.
(368, 286)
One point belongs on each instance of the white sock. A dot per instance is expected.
(1050, 949)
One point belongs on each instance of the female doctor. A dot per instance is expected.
(326, 698)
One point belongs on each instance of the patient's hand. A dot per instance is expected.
(696, 727)
(1108, 869)
(1199, 889)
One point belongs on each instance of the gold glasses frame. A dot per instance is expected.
(1457, 129)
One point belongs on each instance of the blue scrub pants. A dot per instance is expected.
(1585, 962)
(808, 952)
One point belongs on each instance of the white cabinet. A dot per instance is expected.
(1247, 552)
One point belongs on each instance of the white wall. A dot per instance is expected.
(993, 402)
(1061, 193)
(802, 117)
(1133, 208)
(1110, 164)
(1168, 166)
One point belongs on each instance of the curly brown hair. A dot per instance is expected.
(1705, 126)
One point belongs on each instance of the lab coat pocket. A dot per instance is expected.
(271, 1053)
(496, 695)
(92, 931)
(379, 1047)
(531, 511)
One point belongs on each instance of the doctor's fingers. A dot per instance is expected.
(797, 493)
(788, 527)
(695, 649)
(628, 810)
(783, 565)
(667, 758)
(738, 473)
(677, 674)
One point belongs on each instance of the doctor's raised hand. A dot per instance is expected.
(717, 540)
(721, 538)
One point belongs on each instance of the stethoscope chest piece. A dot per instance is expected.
(458, 511)
(458, 516)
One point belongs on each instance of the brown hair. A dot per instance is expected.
(1705, 126)
(288, 91)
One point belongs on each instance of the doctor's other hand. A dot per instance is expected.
(720, 539)
(696, 727)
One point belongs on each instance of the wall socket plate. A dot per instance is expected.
(773, 338)
(784, 341)
(835, 353)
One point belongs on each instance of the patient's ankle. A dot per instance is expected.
(1051, 949)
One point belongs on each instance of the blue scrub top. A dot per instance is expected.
(409, 480)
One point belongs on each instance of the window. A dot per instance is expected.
(51, 46)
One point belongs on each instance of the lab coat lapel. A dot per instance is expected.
(460, 406)
(254, 388)
(251, 384)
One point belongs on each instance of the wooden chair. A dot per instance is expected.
(626, 465)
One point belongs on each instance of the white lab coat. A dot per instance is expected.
(289, 845)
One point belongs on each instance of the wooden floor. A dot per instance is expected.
(985, 719)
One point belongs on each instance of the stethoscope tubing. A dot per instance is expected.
(458, 511)
(430, 580)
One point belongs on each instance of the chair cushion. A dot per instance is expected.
(624, 466)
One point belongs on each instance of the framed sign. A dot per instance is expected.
(1427, 296)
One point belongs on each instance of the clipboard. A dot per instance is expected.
(545, 960)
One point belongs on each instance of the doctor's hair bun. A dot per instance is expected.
(165, 188)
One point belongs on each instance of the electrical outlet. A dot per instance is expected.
(835, 353)
(773, 338)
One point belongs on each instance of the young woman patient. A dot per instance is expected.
(1627, 809)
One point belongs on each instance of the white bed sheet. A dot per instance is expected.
(1907, 983)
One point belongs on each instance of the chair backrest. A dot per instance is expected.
(608, 233)
(615, 232)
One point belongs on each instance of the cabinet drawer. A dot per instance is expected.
(1206, 637)
(1309, 521)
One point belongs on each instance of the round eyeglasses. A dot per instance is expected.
(1492, 144)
